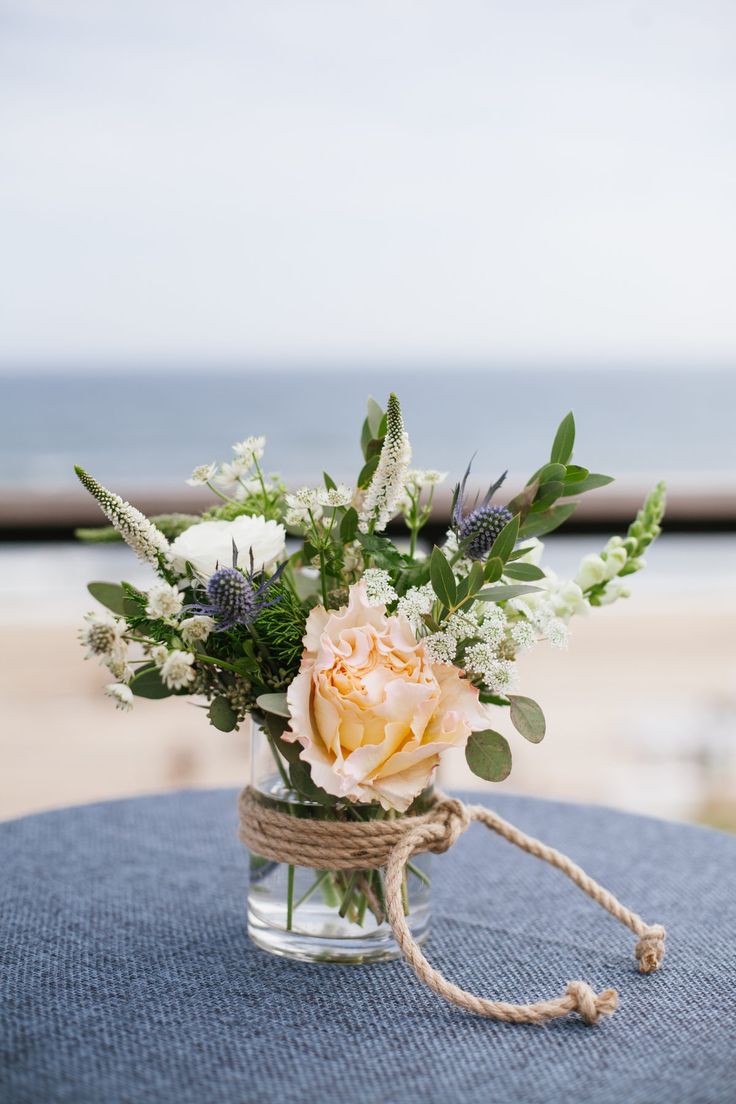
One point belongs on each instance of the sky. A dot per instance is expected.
(542, 181)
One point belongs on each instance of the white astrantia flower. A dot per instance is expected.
(441, 647)
(202, 475)
(122, 695)
(137, 531)
(381, 500)
(378, 588)
(176, 670)
(159, 654)
(118, 666)
(303, 506)
(417, 602)
(335, 496)
(209, 545)
(232, 475)
(419, 478)
(164, 602)
(196, 628)
(102, 635)
(250, 450)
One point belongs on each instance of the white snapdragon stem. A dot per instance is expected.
(386, 489)
(137, 531)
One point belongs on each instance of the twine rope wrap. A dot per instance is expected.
(364, 845)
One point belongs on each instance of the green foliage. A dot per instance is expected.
(503, 593)
(564, 441)
(222, 715)
(146, 683)
(110, 595)
(524, 572)
(171, 525)
(273, 703)
(488, 755)
(442, 578)
(527, 718)
(280, 627)
(504, 543)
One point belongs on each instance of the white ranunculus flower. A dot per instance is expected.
(209, 545)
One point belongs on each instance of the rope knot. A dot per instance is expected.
(650, 948)
(452, 817)
(590, 1005)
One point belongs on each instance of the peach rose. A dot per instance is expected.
(372, 713)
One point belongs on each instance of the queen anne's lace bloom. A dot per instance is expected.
(378, 588)
(137, 531)
(416, 603)
(384, 493)
(176, 670)
(441, 647)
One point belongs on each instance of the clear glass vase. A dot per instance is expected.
(324, 915)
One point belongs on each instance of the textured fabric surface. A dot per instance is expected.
(127, 975)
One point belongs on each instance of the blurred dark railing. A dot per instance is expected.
(44, 516)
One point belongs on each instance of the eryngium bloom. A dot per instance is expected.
(477, 530)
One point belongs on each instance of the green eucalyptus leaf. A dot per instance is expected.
(504, 543)
(590, 483)
(476, 578)
(368, 470)
(539, 524)
(525, 572)
(273, 703)
(330, 483)
(301, 781)
(442, 578)
(564, 441)
(527, 718)
(221, 715)
(503, 593)
(146, 683)
(488, 755)
(110, 595)
(349, 525)
(493, 570)
(374, 418)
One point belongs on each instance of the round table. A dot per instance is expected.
(127, 975)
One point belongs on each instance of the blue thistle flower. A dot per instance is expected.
(234, 597)
(477, 530)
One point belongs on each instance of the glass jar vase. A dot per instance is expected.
(324, 915)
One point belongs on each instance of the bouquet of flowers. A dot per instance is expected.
(361, 654)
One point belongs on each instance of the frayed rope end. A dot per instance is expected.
(650, 949)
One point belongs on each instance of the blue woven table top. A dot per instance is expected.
(127, 974)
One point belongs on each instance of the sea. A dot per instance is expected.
(134, 427)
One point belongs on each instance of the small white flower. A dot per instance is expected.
(461, 625)
(336, 496)
(417, 602)
(250, 450)
(557, 633)
(303, 503)
(378, 588)
(614, 590)
(176, 670)
(230, 475)
(164, 602)
(118, 666)
(492, 629)
(592, 570)
(120, 694)
(501, 677)
(419, 478)
(615, 560)
(384, 492)
(196, 628)
(479, 658)
(523, 635)
(159, 654)
(441, 647)
(201, 475)
(210, 544)
(103, 635)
